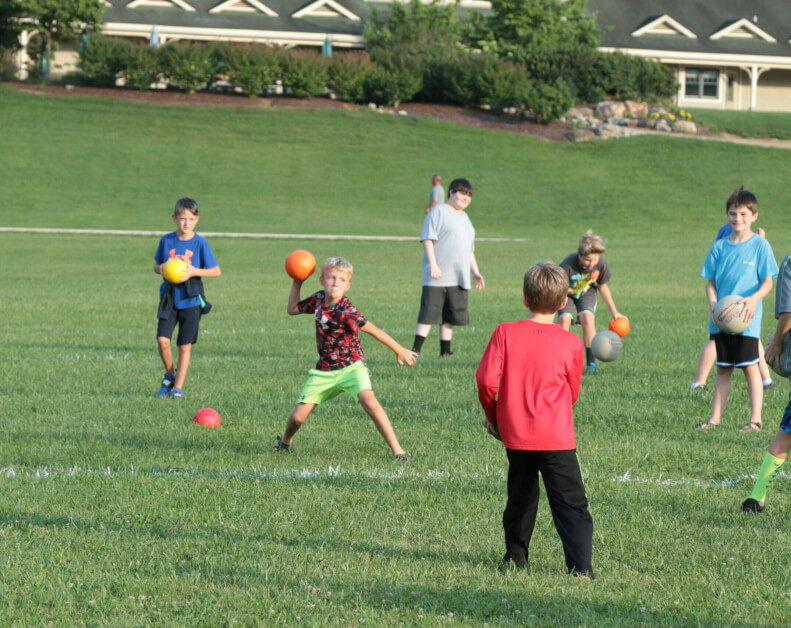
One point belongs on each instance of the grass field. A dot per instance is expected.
(115, 509)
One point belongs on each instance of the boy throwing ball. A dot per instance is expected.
(528, 381)
(341, 366)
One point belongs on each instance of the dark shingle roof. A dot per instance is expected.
(202, 18)
(704, 18)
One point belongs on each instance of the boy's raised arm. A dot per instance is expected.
(403, 355)
(293, 297)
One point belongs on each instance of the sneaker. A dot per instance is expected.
(753, 505)
(446, 354)
(698, 386)
(592, 367)
(770, 384)
(175, 393)
(167, 384)
(281, 446)
(407, 456)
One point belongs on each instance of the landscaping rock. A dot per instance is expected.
(582, 135)
(684, 126)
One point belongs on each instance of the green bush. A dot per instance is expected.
(483, 79)
(142, 66)
(102, 59)
(347, 73)
(548, 101)
(305, 73)
(251, 68)
(396, 78)
(189, 66)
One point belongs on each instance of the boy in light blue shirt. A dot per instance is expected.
(742, 264)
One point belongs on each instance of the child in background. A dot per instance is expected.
(528, 381)
(588, 274)
(341, 365)
(182, 304)
(742, 264)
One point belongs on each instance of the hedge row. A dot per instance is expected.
(544, 83)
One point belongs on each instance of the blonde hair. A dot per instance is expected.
(590, 243)
(337, 263)
(546, 286)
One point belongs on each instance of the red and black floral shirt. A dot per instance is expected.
(337, 331)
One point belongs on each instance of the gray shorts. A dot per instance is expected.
(443, 304)
(586, 303)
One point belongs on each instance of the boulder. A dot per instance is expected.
(685, 126)
(610, 108)
(581, 135)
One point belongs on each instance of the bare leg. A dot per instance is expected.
(446, 331)
(295, 421)
(371, 405)
(721, 390)
(163, 344)
(422, 330)
(708, 356)
(185, 352)
(565, 321)
(588, 322)
(762, 365)
(780, 445)
(755, 390)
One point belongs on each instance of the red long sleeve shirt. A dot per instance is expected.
(528, 380)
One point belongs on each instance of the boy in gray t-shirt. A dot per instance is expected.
(448, 239)
(781, 443)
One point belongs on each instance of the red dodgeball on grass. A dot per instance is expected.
(208, 417)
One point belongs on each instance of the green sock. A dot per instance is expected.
(766, 476)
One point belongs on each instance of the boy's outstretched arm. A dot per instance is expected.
(293, 298)
(606, 296)
(751, 302)
(404, 356)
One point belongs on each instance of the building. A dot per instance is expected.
(728, 54)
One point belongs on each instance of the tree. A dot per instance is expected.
(515, 26)
(10, 25)
(60, 20)
(415, 27)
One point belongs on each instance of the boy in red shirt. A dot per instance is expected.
(341, 366)
(528, 381)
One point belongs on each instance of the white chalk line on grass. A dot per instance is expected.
(255, 474)
(221, 234)
(274, 474)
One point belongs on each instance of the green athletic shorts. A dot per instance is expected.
(324, 385)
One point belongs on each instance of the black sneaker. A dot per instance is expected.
(281, 446)
(752, 505)
(407, 456)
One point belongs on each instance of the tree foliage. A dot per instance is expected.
(61, 20)
(515, 26)
(415, 27)
(10, 26)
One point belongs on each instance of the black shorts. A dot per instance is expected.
(443, 304)
(735, 351)
(188, 321)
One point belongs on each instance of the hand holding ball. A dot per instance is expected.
(620, 326)
(728, 315)
(208, 417)
(173, 270)
(300, 264)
